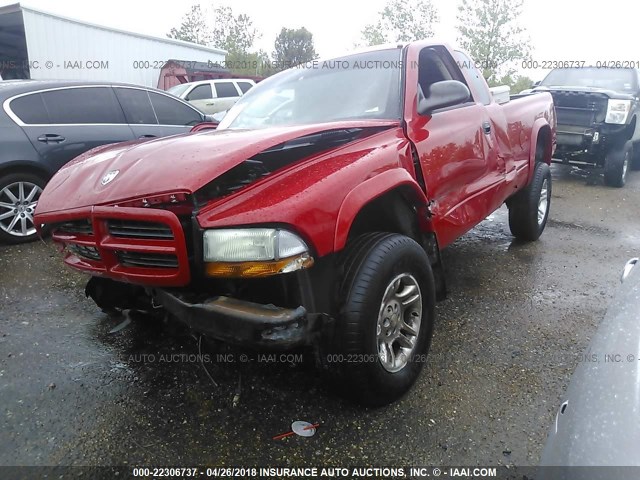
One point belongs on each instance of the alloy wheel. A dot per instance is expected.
(399, 320)
(543, 202)
(18, 202)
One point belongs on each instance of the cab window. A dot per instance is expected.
(435, 64)
(479, 85)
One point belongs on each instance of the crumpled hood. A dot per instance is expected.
(181, 163)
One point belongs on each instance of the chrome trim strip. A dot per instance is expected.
(7, 108)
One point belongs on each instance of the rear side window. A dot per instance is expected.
(30, 109)
(137, 106)
(201, 92)
(173, 112)
(83, 105)
(467, 66)
(226, 89)
(244, 86)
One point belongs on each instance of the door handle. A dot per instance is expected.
(51, 138)
(486, 127)
(147, 136)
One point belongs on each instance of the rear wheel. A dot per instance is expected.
(19, 194)
(617, 166)
(386, 320)
(529, 208)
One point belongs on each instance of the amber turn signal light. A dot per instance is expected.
(258, 269)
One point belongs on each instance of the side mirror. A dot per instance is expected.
(209, 118)
(535, 84)
(444, 94)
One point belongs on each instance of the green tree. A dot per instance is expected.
(235, 34)
(293, 47)
(402, 21)
(517, 83)
(250, 64)
(490, 32)
(521, 83)
(194, 28)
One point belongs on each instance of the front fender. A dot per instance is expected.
(369, 190)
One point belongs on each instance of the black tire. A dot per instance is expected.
(17, 225)
(371, 264)
(635, 157)
(617, 166)
(524, 207)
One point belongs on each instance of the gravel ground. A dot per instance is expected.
(506, 342)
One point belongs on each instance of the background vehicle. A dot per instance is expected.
(213, 96)
(301, 222)
(597, 424)
(597, 112)
(44, 124)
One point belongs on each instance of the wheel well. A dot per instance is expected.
(543, 145)
(394, 212)
(631, 129)
(390, 212)
(25, 168)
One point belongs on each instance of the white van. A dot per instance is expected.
(213, 96)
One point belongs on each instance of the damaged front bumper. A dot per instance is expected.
(588, 145)
(239, 321)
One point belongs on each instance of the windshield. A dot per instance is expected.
(363, 86)
(178, 90)
(618, 79)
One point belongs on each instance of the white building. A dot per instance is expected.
(40, 45)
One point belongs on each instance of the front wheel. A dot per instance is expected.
(529, 208)
(635, 157)
(617, 165)
(386, 321)
(19, 194)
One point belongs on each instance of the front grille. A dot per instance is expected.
(126, 244)
(579, 108)
(87, 252)
(76, 227)
(147, 260)
(137, 229)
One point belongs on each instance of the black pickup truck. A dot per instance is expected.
(597, 111)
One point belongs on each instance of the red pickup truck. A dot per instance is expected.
(315, 213)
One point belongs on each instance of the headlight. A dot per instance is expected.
(254, 252)
(617, 111)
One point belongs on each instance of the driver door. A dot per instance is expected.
(452, 145)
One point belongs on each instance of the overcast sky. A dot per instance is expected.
(558, 29)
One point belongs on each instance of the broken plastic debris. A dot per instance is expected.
(215, 384)
(121, 326)
(236, 397)
(303, 429)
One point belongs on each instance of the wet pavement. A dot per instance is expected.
(505, 344)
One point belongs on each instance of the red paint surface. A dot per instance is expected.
(468, 174)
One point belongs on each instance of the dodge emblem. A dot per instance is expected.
(109, 176)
